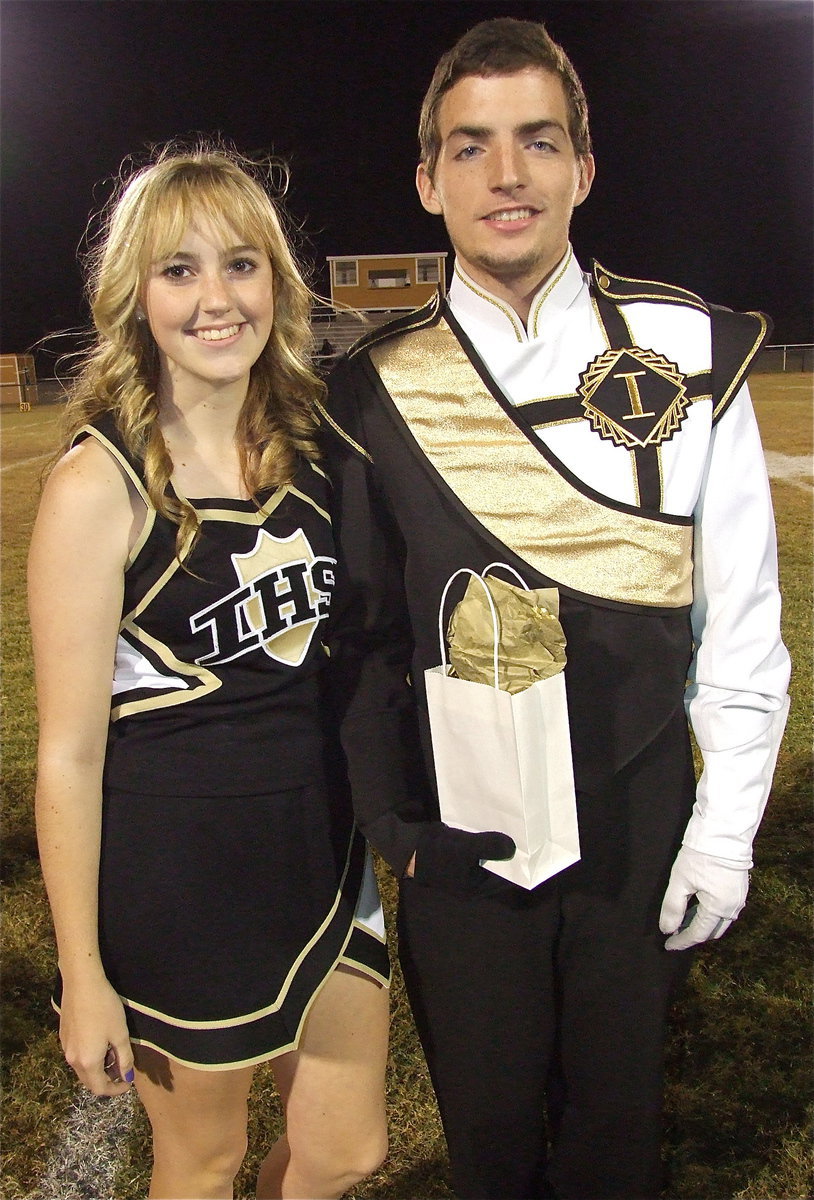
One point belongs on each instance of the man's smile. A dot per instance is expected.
(505, 215)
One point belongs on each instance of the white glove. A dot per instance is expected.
(719, 885)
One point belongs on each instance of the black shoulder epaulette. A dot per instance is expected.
(737, 338)
(417, 318)
(622, 290)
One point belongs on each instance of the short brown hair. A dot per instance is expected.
(502, 46)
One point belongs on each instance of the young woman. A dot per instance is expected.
(213, 904)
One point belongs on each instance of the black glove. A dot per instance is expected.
(450, 858)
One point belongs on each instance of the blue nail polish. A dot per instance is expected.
(130, 1076)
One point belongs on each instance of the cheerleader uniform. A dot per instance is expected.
(232, 880)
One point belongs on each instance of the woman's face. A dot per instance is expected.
(210, 305)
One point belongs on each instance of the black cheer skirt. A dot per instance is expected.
(221, 917)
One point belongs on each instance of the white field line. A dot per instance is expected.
(25, 462)
(85, 1161)
(794, 469)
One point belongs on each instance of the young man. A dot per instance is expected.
(595, 433)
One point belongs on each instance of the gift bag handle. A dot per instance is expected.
(495, 627)
(506, 567)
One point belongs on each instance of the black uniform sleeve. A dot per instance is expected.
(370, 640)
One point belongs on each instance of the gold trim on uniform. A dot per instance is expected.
(634, 471)
(506, 309)
(539, 301)
(645, 289)
(666, 416)
(600, 322)
(268, 1009)
(256, 1059)
(338, 429)
(119, 457)
(544, 399)
(543, 424)
(363, 928)
(573, 538)
(575, 420)
(421, 317)
(259, 515)
(306, 499)
(206, 681)
(738, 380)
(150, 514)
(230, 1066)
(141, 540)
(382, 980)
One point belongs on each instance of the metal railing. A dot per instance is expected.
(797, 356)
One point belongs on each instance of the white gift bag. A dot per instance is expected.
(503, 762)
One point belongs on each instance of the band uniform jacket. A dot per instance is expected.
(608, 448)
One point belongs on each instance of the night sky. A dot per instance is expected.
(701, 116)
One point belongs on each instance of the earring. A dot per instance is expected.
(141, 314)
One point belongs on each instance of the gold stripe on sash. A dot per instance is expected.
(511, 488)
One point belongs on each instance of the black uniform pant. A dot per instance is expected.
(542, 1014)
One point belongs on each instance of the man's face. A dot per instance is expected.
(507, 177)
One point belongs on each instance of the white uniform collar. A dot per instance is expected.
(478, 309)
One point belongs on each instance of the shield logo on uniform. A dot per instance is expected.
(285, 608)
(633, 397)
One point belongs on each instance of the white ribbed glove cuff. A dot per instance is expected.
(719, 885)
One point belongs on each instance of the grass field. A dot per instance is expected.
(739, 1057)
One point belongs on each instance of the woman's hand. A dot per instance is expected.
(93, 1031)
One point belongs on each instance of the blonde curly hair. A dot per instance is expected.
(144, 222)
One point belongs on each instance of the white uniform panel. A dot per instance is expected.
(737, 695)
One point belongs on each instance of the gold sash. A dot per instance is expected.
(505, 481)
